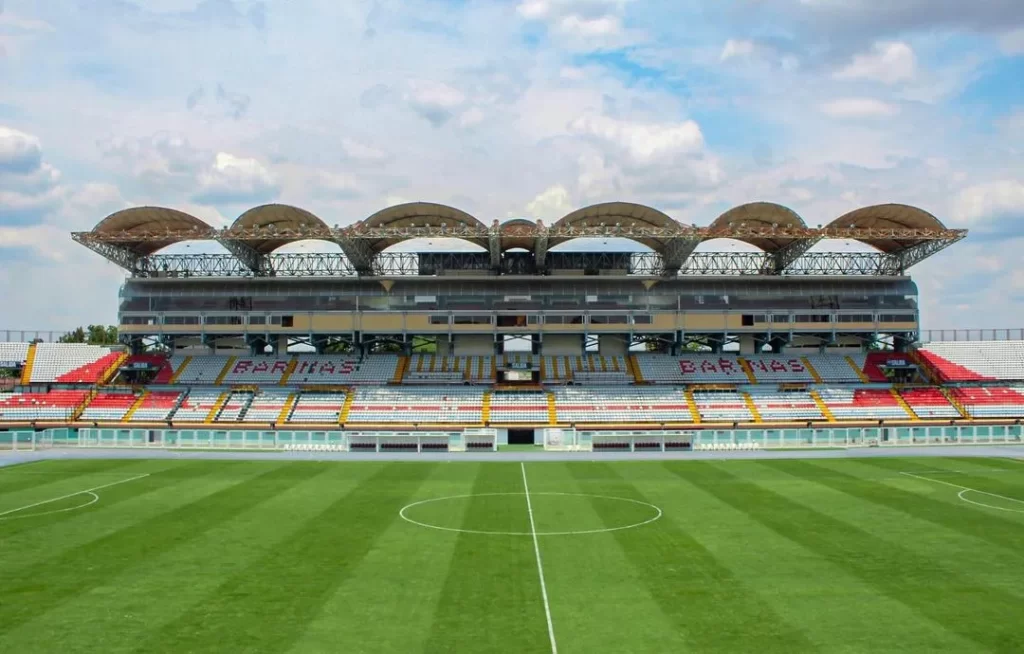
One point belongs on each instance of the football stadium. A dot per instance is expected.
(531, 443)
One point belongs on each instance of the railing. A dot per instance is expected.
(931, 335)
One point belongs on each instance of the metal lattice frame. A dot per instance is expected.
(397, 264)
(679, 255)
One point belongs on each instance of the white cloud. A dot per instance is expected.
(581, 24)
(858, 108)
(534, 9)
(887, 63)
(737, 48)
(991, 202)
(234, 180)
(362, 152)
(436, 102)
(643, 142)
(550, 205)
(19, 152)
(601, 26)
(1012, 42)
(471, 117)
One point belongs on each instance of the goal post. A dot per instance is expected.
(562, 440)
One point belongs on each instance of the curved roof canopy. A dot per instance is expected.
(511, 236)
(270, 226)
(888, 216)
(753, 216)
(610, 214)
(121, 228)
(420, 214)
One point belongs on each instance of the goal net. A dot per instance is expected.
(564, 440)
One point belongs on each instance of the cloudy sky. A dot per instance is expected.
(508, 108)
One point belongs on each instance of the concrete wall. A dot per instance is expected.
(613, 346)
(562, 345)
(474, 345)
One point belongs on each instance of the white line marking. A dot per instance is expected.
(64, 497)
(579, 532)
(540, 566)
(968, 489)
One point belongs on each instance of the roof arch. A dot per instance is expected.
(625, 214)
(148, 223)
(902, 217)
(420, 214)
(512, 236)
(270, 226)
(759, 215)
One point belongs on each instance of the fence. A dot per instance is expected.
(454, 441)
(930, 335)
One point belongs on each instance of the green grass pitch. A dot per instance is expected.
(302, 556)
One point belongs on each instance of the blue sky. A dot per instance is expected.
(508, 108)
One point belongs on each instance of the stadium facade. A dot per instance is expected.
(678, 346)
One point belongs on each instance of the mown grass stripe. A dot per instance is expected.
(993, 529)
(491, 601)
(111, 618)
(13, 480)
(999, 484)
(714, 609)
(32, 590)
(47, 536)
(979, 613)
(403, 575)
(267, 606)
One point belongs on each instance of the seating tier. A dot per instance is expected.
(975, 361)
(109, 407)
(761, 368)
(316, 407)
(197, 405)
(461, 405)
(70, 362)
(775, 406)
(992, 401)
(510, 408)
(862, 404)
(157, 406)
(55, 405)
(269, 370)
(266, 406)
(626, 404)
(929, 403)
(722, 406)
(14, 352)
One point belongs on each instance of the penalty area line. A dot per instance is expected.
(69, 495)
(965, 489)
(540, 565)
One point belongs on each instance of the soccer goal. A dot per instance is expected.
(563, 440)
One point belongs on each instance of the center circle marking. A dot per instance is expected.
(579, 532)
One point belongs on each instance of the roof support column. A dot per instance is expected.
(540, 249)
(359, 254)
(118, 254)
(676, 252)
(249, 257)
(494, 245)
(785, 256)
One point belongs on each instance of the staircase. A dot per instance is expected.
(181, 369)
(809, 368)
(77, 413)
(110, 373)
(749, 371)
(948, 394)
(292, 363)
(245, 407)
(485, 410)
(634, 369)
(350, 396)
(400, 370)
(825, 411)
(135, 407)
(217, 406)
(926, 368)
(857, 369)
(903, 403)
(286, 410)
(692, 403)
(552, 410)
(752, 407)
(225, 370)
(30, 359)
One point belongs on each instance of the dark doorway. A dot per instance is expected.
(520, 437)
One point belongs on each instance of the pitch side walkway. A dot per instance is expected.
(1006, 451)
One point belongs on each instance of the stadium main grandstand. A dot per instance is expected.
(519, 342)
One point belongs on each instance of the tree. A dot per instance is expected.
(92, 334)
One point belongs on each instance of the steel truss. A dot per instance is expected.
(399, 264)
